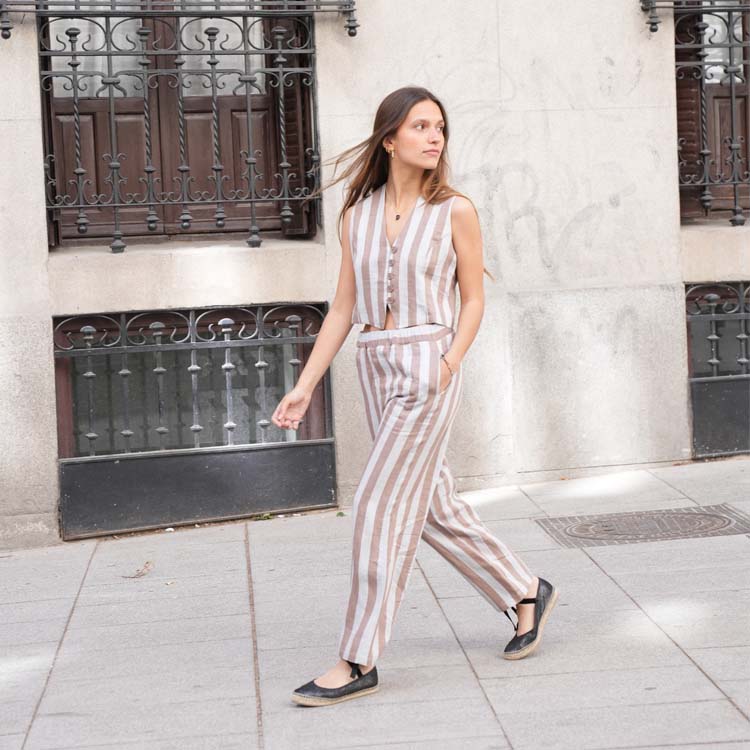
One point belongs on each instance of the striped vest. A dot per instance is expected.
(416, 277)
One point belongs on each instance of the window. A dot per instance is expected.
(182, 379)
(166, 117)
(164, 417)
(718, 327)
(713, 123)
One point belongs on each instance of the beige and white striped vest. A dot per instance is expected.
(416, 277)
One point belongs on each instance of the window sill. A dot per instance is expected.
(182, 246)
(182, 274)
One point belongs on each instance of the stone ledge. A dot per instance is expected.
(29, 530)
(714, 251)
(187, 274)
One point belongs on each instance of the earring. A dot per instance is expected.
(392, 152)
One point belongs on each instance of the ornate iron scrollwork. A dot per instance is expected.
(652, 7)
(210, 8)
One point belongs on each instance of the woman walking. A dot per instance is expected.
(408, 240)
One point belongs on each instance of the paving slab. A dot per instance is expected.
(380, 723)
(708, 722)
(709, 482)
(659, 559)
(159, 633)
(466, 743)
(617, 491)
(79, 661)
(502, 503)
(140, 690)
(522, 535)
(136, 722)
(702, 618)
(723, 663)
(599, 689)
(27, 633)
(54, 572)
(167, 607)
(225, 741)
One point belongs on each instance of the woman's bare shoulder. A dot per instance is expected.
(463, 209)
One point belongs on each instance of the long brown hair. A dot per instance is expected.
(369, 169)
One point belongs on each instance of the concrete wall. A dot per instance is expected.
(563, 133)
(28, 446)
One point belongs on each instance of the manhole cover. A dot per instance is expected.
(646, 526)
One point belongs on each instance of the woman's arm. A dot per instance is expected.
(332, 334)
(467, 241)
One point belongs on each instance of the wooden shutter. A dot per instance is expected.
(697, 99)
(298, 117)
(688, 117)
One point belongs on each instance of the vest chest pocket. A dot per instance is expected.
(428, 260)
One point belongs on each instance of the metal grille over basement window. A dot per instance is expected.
(713, 122)
(165, 117)
(167, 380)
(718, 326)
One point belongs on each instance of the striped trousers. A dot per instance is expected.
(407, 492)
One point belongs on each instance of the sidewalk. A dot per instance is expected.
(193, 639)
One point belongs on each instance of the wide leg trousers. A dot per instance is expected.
(407, 492)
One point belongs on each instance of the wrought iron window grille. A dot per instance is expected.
(718, 329)
(164, 117)
(182, 380)
(712, 38)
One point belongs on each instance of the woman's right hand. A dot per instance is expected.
(288, 414)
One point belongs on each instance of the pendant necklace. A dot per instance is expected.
(398, 214)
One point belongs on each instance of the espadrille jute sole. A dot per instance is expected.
(526, 650)
(307, 700)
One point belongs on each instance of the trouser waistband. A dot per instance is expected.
(424, 332)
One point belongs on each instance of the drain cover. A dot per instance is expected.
(646, 526)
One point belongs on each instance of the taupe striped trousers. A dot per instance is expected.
(407, 491)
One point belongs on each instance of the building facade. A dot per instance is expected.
(163, 273)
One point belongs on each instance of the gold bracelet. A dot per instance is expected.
(442, 356)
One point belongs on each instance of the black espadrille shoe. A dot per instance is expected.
(522, 645)
(311, 694)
